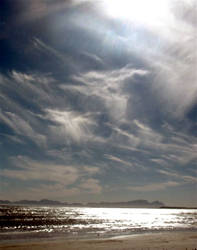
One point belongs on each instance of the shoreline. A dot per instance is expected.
(34, 236)
(160, 240)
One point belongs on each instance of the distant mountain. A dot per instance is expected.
(43, 202)
(46, 202)
(134, 203)
(157, 203)
(4, 202)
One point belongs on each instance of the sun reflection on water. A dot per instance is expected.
(96, 221)
(138, 219)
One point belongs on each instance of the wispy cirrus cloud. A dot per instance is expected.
(175, 67)
(89, 102)
(27, 169)
(154, 186)
(118, 160)
(70, 125)
(52, 178)
(22, 128)
(179, 176)
(108, 86)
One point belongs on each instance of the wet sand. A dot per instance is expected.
(159, 241)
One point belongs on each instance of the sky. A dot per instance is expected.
(98, 100)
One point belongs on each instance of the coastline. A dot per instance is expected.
(160, 240)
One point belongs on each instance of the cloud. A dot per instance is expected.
(154, 186)
(37, 192)
(91, 186)
(22, 128)
(93, 58)
(147, 135)
(60, 59)
(118, 160)
(69, 125)
(52, 180)
(108, 87)
(160, 162)
(88, 100)
(175, 66)
(179, 176)
(124, 137)
(13, 138)
(28, 169)
(91, 170)
(56, 192)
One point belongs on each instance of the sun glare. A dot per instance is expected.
(142, 11)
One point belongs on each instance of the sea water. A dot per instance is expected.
(19, 222)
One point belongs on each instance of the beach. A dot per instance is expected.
(164, 240)
(82, 228)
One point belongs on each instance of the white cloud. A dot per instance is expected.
(154, 186)
(124, 137)
(175, 64)
(56, 192)
(108, 85)
(147, 135)
(61, 59)
(22, 127)
(13, 138)
(40, 191)
(28, 169)
(91, 186)
(93, 57)
(70, 124)
(118, 160)
(160, 162)
(179, 176)
(90, 170)
(35, 86)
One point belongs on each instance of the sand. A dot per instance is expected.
(159, 241)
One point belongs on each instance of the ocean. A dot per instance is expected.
(28, 222)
